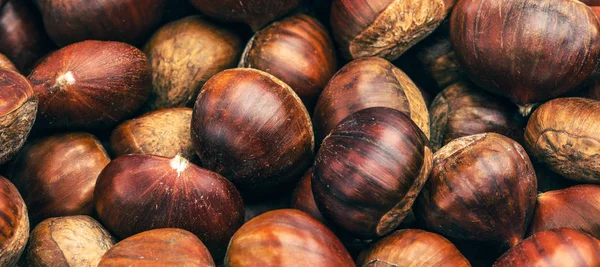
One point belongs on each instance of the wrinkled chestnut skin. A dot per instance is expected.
(576, 207)
(255, 13)
(373, 152)
(253, 129)
(286, 237)
(68, 241)
(303, 198)
(6, 64)
(159, 248)
(18, 108)
(545, 49)
(164, 132)
(184, 54)
(365, 83)
(90, 85)
(136, 193)
(57, 174)
(463, 109)
(482, 187)
(14, 223)
(297, 50)
(558, 247)
(565, 135)
(384, 28)
(71, 21)
(412, 248)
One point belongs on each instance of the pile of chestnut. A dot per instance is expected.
(299, 133)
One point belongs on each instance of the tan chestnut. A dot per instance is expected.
(14, 223)
(565, 135)
(184, 54)
(68, 241)
(5, 63)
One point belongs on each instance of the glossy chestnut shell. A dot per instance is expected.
(14, 223)
(303, 198)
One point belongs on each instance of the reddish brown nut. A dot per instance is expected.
(297, 50)
(286, 237)
(164, 132)
(159, 248)
(303, 198)
(14, 224)
(6, 64)
(91, 84)
(57, 174)
(68, 241)
(438, 59)
(184, 54)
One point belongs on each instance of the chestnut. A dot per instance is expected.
(164, 132)
(159, 247)
(57, 174)
(285, 237)
(482, 187)
(6, 64)
(253, 129)
(18, 108)
(303, 198)
(255, 13)
(68, 241)
(297, 50)
(14, 223)
(184, 54)
(438, 59)
(549, 48)
(90, 85)
(462, 109)
(384, 28)
(412, 247)
(71, 21)
(365, 83)
(557, 247)
(136, 193)
(369, 170)
(563, 133)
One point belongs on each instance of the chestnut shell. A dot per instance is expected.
(14, 223)
(6, 64)
(303, 198)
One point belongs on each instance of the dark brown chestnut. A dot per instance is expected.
(543, 50)
(164, 132)
(253, 129)
(369, 170)
(482, 187)
(158, 248)
(565, 135)
(56, 175)
(68, 241)
(557, 247)
(384, 28)
(136, 193)
(286, 237)
(18, 108)
(14, 224)
(297, 50)
(303, 198)
(184, 54)
(71, 21)
(91, 84)
(365, 83)
(438, 59)
(6, 64)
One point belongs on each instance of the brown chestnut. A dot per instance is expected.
(57, 174)
(164, 132)
(18, 108)
(527, 51)
(6, 64)
(565, 135)
(136, 193)
(71, 21)
(92, 84)
(365, 83)
(297, 50)
(412, 248)
(184, 54)
(369, 170)
(303, 198)
(286, 237)
(438, 59)
(384, 28)
(253, 129)
(14, 224)
(68, 241)
(482, 187)
(557, 247)
(159, 248)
